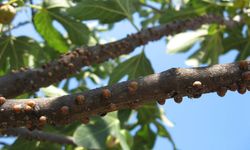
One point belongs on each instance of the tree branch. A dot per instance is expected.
(17, 26)
(4, 144)
(151, 7)
(38, 135)
(174, 83)
(29, 80)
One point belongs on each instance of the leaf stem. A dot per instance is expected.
(133, 24)
(11, 1)
(34, 6)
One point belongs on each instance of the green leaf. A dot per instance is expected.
(123, 137)
(148, 113)
(31, 145)
(126, 6)
(43, 22)
(71, 147)
(105, 11)
(209, 51)
(14, 52)
(47, 54)
(241, 3)
(134, 67)
(78, 32)
(53, 91)
(93, 135)
(196, 58)
(171, 14)
(244, 53)
(56, 4)
(128, 136)
(165, 119)
(234, 40)
(144, 138)
(124, 116)
(183, 41)
(220, 3)
(19, 3)
(103, 70)
(93, 77)
(162, 131)
(68, 129)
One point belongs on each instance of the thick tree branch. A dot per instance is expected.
(38, 135)
(28, 80)
(174, 83)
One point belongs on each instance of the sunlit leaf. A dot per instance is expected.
(93, 135)
(53, 91)
(128, 136)
(78, 32)
(220, 3)
(43, 22)
(105, 11)
(171, 14)
(165, 119)
(209, 51)
(183, 41)
(56, 3)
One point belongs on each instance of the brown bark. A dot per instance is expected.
(174, 83)
(29, 80)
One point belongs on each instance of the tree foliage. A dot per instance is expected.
(116, 130)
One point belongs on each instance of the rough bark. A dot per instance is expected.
(174, 83)
(28, 80)
(38, 135)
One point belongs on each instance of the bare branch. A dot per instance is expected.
(4, 144)
(19, 82)
(18, 26)
(174, 83)
(38, 135)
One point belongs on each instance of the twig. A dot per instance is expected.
(4, 144)
(38, 135)
(18, 25)
(151, 7)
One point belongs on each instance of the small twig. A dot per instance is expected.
(32, 10)
(17, 26)
(21, 24)
(4, 143)
(38, 135)
(151, 7)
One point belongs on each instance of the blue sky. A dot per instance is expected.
(210, 122)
